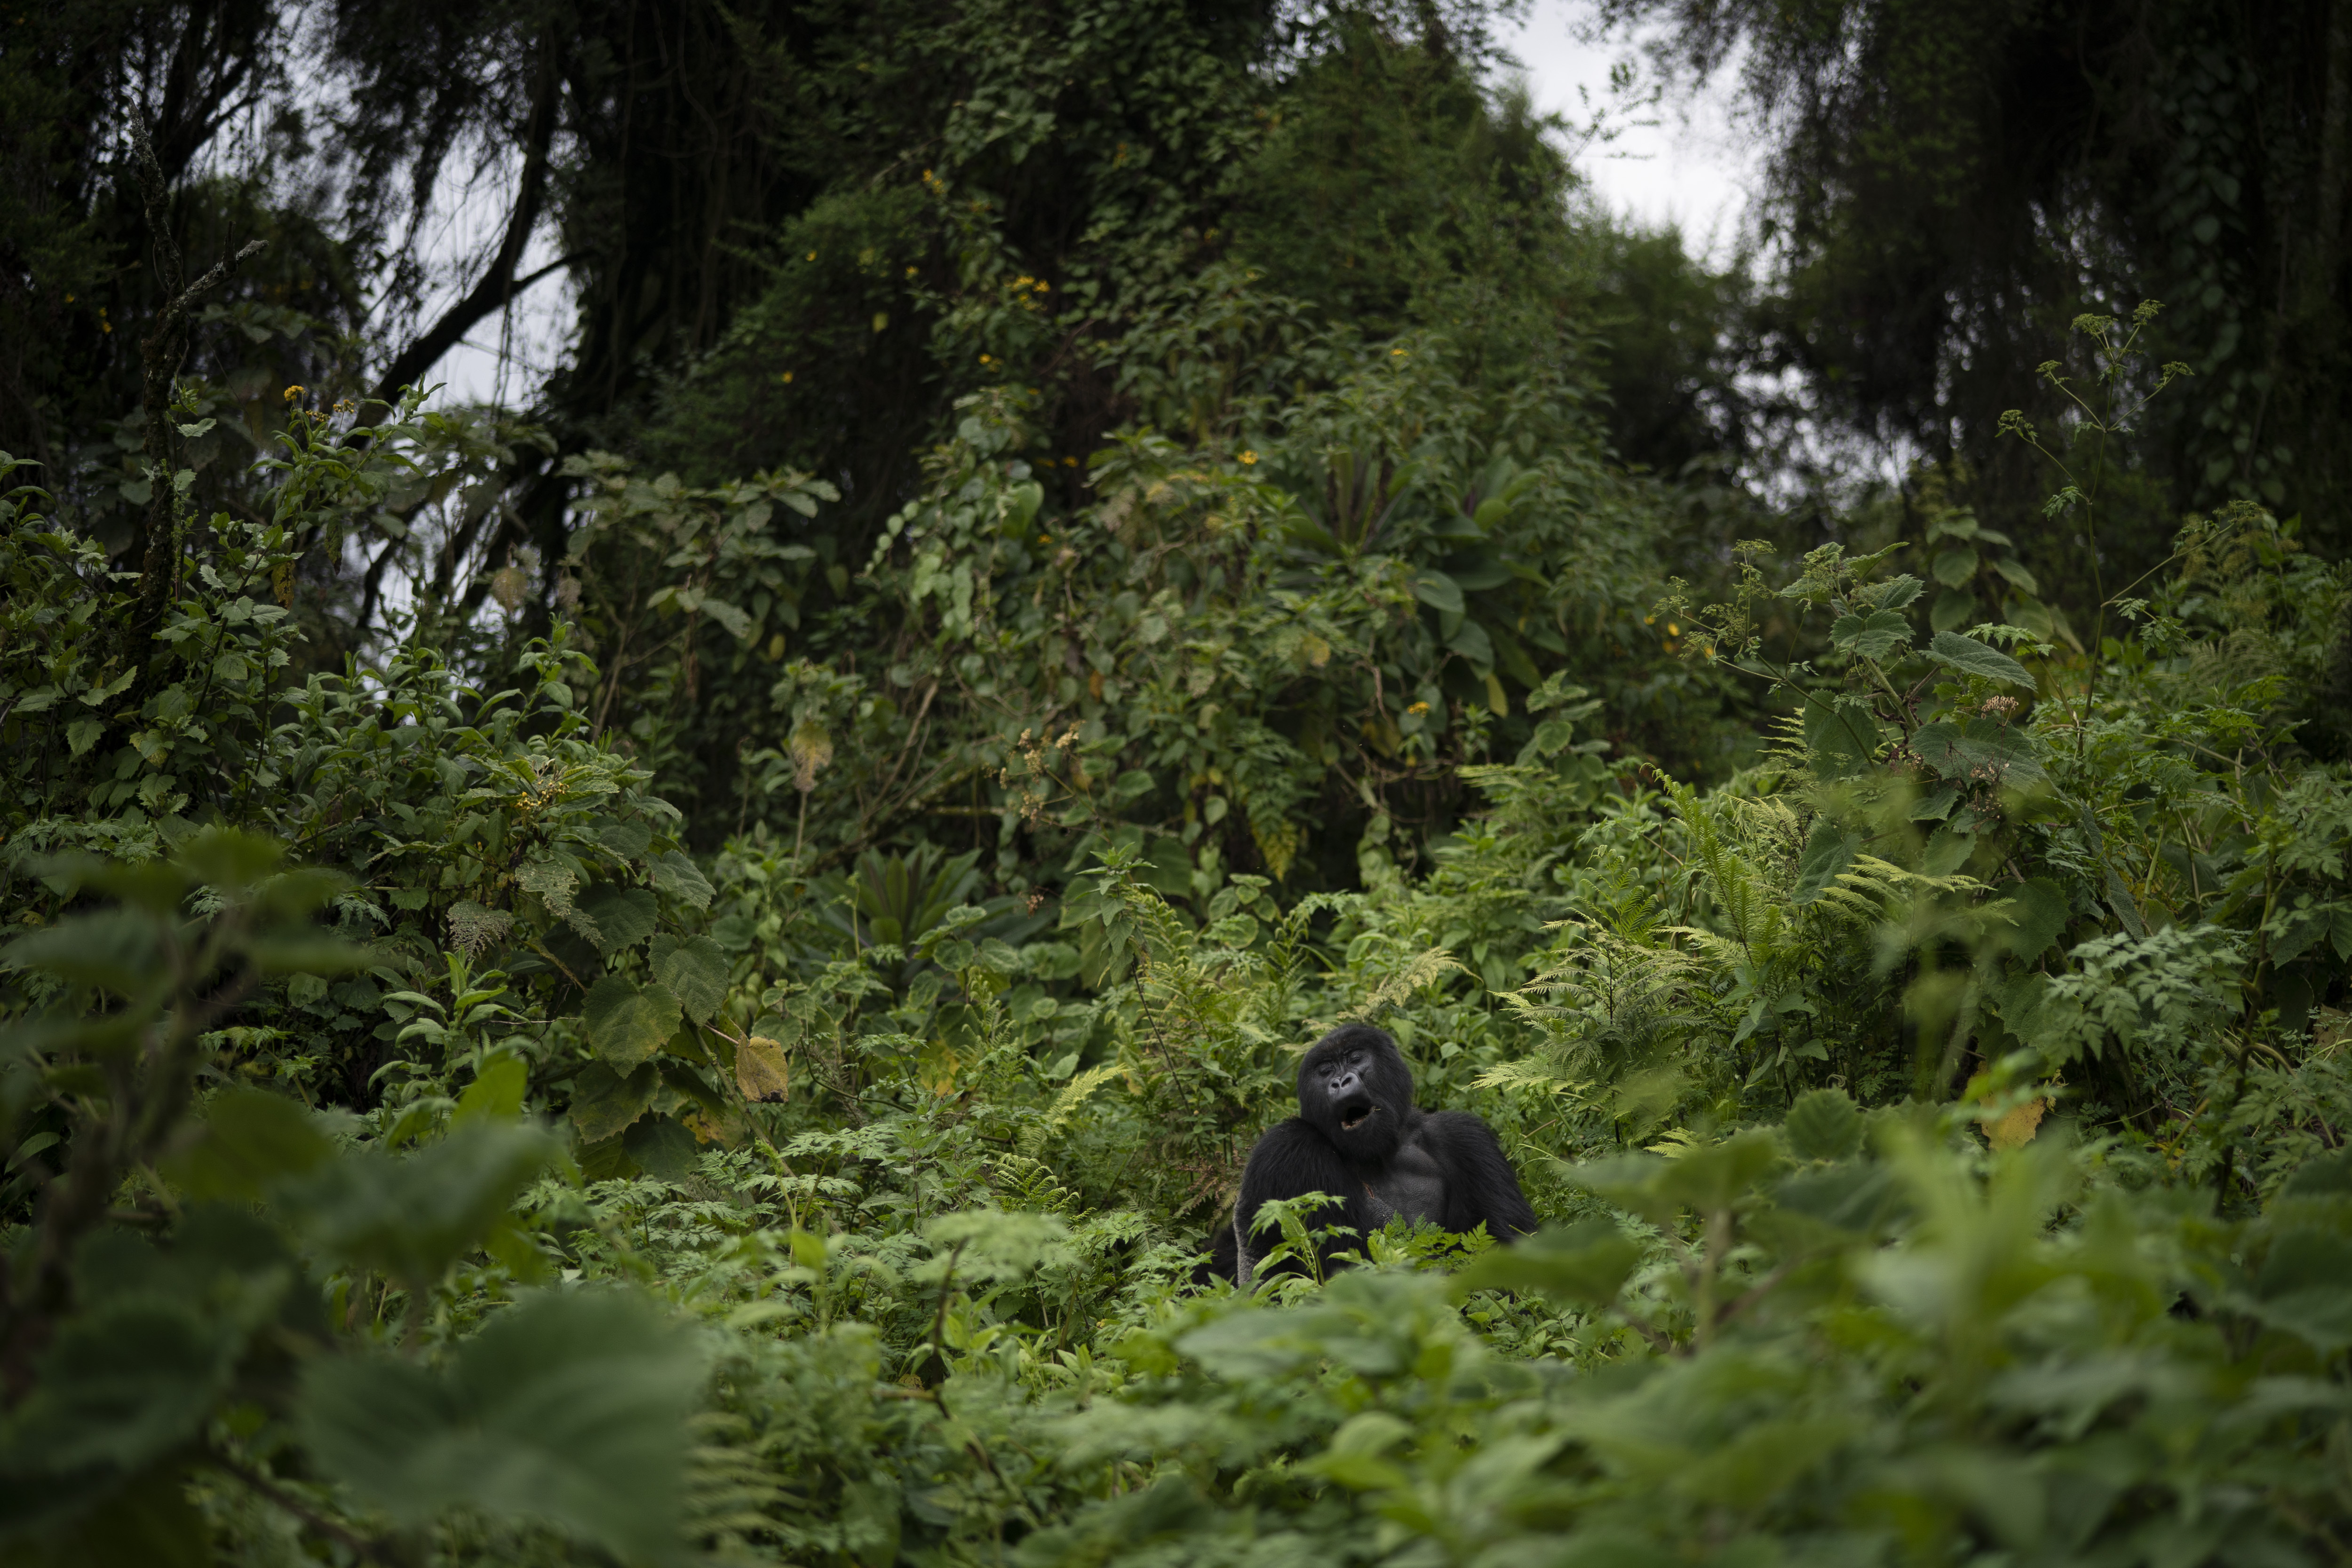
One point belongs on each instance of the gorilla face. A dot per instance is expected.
(1356, 1089)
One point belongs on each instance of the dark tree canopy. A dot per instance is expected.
(1953, 181)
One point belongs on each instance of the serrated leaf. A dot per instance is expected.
(250, 1140)
(627, 1023)
(116, 948)
(695, 972)
(662, 1148)
(679, 877)
(1971, 657)
(567, 1412)
(2038, 911)
(1873, 636)
(628, 840)
(496, 1093)
(1956, 567)
(618, 917)
(2305, 1287)
(603, 1103)
(411, 1217)
(1842, 736)
(1823, 1124)
(1982, 751)
(1897, 593)
(1585, 1264)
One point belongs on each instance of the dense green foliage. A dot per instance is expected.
(683, 975)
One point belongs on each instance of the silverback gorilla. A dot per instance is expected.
(1358, 1136)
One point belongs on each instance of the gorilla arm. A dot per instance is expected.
(1291, 1159)
(1480, 1186)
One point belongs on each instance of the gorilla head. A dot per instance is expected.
(1357, 1092)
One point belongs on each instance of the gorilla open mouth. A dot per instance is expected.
(1353, 1115)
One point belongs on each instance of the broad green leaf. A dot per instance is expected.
(1897, 593)
(411, 1217)
(1470, 641)
(1956, 567)
(1829, 851)
(297, 893)
(678, 876)
(568, 1411)
(1473, 574)
(497, 1092)
(1873, 636)
(662, 1148)
(1937, 805)
(625, 1023)
(118, 949)
(1954, 608)
(1979, 752)
(1357, 1472)
(146, 1523)
(628, 840)
(603, 1103)
(1438, 592)
(1842, 736)
(1858, 1196)
(251, 1139)
(1823, 1124)
(696, 971)
(1585, 1264)
(2038, 911)
(1949, 848)
(155, 886)
(2305, 1287)
(730, 616)
(124, 1382)
(1715, 1177)
(617, 916)
(2019, 577)
(1971, 657)
(230, 860)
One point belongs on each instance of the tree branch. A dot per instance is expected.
(156, 540)
(498, 284)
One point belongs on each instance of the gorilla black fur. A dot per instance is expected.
(1358, 1136)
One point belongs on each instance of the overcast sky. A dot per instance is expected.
(1684, 163)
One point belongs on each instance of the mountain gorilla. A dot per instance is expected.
(1358, 1136)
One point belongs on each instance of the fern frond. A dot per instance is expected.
(1074, 1094)
(1424, 967)
(1529, 1072)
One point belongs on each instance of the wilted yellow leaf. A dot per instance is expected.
(2016, 1130)
(760, 1071)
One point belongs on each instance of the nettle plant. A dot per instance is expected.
(227, 1310)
